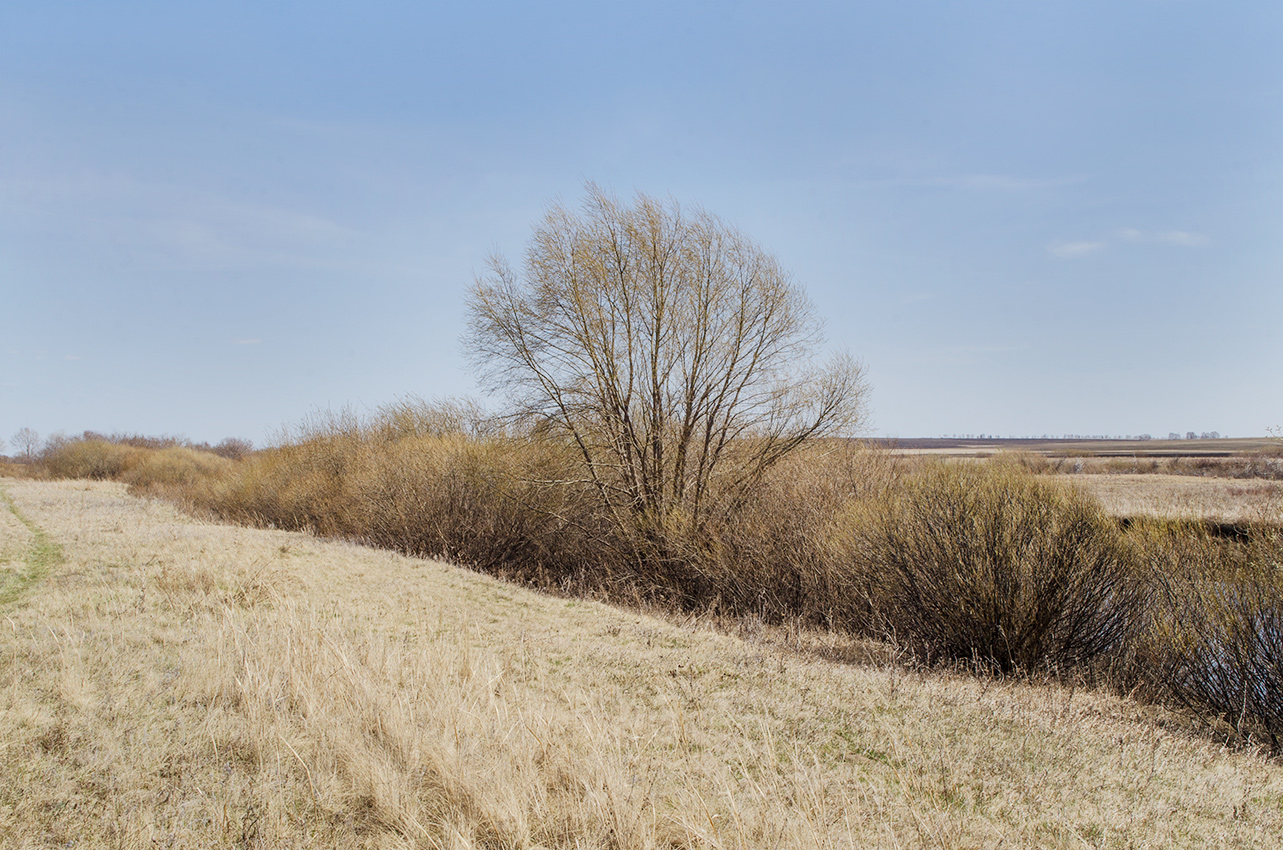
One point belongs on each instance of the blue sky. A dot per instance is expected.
(1024, 218)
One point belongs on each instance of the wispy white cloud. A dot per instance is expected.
(1183, 238)
(71, 357)
(1070, 250)
(1179, 238)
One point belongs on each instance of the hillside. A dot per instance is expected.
(180, 683)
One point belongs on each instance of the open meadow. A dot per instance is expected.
(1222, 480)
(175, 682)
(1185, 497)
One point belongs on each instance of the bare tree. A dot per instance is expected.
(675, 354)
(27, 442)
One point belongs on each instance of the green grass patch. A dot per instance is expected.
(43, 554)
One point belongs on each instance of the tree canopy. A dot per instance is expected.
(679, 358)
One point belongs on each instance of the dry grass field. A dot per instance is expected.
(175, 683)
(1185, 496)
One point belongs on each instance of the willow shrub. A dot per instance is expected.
(993, 566)
(499, 504)
(1213, 641)
(783, 555)
(96, 459)
(169, 472)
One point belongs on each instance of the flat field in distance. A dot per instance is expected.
(1223, 447)
(172, 682)
(1226, 500)
(1224, 480)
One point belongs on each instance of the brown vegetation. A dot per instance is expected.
(671, 354)
(977, 563)
(1185, 497)
(1213, 639)
(181, 683)
(989, 565)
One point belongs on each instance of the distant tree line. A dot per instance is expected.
(28, 446)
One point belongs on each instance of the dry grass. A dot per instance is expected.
(1186, 497)
(15, 544)
(176, 683)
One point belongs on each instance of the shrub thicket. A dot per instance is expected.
(1213, 638)
(980, 563)
(89, 458)
(144, 462)
(173, 472)
(412, 480)
(786, 553)
(993, 566)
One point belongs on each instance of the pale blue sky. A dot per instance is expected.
(1024, 217)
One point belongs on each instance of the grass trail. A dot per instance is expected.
(42, 554)
(188, 684)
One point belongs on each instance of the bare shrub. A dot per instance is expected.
(495, 505)
(1214, 637)
(995, 567)
(409, 479)
(1027, 460)
(294, 487)
(784, 554)
(17, 469)
(173, 471)
(412, 416)
(233, 448)
(94, 458)
(138, 441)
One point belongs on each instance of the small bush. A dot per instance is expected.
(1027, 460)
(14, 469)
(996, 567)
(233, 448)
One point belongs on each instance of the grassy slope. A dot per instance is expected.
(196, 684)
